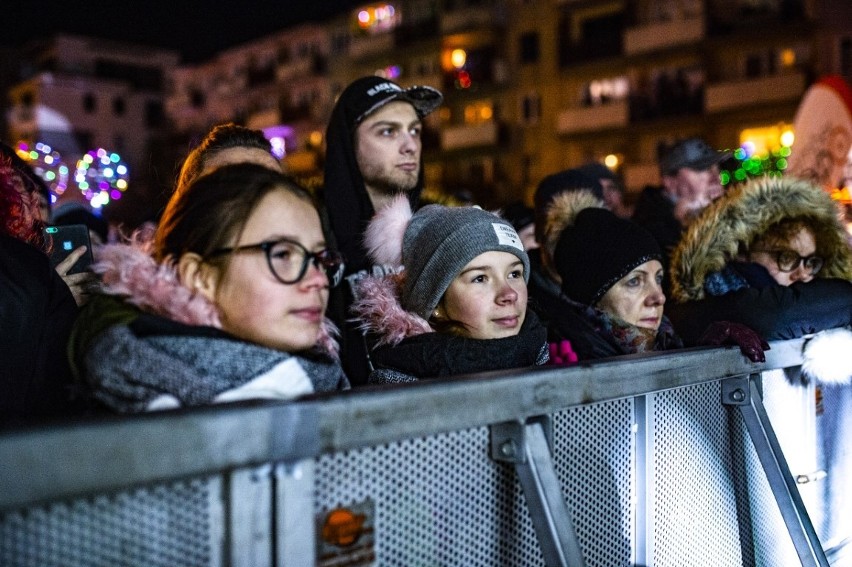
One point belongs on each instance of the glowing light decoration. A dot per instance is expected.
(763, 151)
(390, 72)
(279, 146)
(101, 176)
(458, 58)
(376, 18)
(47, 164)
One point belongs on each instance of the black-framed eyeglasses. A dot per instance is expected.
(787, 260)
(288, 260)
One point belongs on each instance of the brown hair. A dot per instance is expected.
(212, 211)
(783, 230)
(221, 137)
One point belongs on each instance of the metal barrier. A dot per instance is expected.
(662, 459)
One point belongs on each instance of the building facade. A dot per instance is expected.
(531, 86)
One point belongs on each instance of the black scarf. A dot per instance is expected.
(432, 355)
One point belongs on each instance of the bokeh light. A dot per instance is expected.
(101, 176)
(47, 163)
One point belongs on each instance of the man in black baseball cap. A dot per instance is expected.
(373, 153)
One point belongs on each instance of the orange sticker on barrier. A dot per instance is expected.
(342, 527)
(346, 536)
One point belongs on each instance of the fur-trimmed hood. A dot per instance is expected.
(128, 271)
(717, 236)
(379, 311)
(562, 213)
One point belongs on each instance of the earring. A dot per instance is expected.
(436, 315)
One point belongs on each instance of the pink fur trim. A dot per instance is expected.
(383, 237)
(327, 339)
(380, 312)
(127, 270)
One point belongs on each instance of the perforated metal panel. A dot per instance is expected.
(438, 501)
(695, 520)
(593, 452)
(764, 537)
(835, 441)
(171, 525)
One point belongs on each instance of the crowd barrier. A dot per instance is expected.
(660, 459)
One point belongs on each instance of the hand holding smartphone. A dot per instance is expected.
(63, 240)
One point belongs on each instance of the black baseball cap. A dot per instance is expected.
(693, 153)
(366, 95)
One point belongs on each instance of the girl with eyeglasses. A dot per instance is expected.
(771, 254)
(228, 305)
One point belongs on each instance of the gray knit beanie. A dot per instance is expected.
(439, 241)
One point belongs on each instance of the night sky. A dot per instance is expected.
(197, 30)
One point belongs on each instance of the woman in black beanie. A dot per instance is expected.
(611, 277)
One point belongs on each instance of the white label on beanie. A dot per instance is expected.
(507, 236)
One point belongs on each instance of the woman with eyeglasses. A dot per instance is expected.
(226, 303)
(771, 254)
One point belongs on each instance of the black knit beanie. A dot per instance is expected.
(562, 182)
(598, 250)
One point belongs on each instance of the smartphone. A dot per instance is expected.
(64, 239)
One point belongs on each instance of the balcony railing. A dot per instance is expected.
(458, 137)
(746, 92)
(657, 36)
(372, 45)
(469, 18)
(611, 115)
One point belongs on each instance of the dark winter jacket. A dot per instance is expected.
(708, 254)
(37, 312)
(654, 212)
(545, 294)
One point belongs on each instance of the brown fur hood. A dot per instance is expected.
(731, 224)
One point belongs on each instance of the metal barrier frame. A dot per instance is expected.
(268, 448)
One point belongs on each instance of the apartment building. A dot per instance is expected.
(613, 80)
(531, 86)
(79, 94)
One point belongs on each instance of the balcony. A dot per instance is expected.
(747, 92)
(263, 119)
(611, 115)
(469, 136)
(369, 46)
(658, 36)
(467, 19)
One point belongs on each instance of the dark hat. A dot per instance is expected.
(598, 171)
(520, 215)
(366, 95)
(553, 185)
(598, 250)
(693, 153)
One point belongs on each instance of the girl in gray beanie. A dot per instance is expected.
(458, 304)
